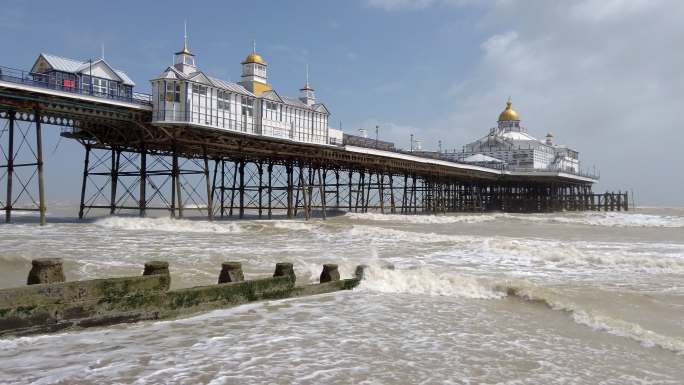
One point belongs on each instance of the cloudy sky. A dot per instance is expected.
(606, 77)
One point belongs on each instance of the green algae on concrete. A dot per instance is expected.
(45, 308)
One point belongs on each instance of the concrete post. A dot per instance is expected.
(330, 273)
(361, 272)
(285, 269)
(231, 272)
(46, 270)
(158, 268)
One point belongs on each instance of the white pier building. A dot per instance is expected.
(509, 145)
(184, 94)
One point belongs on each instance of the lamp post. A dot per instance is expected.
(411, 142)
(377, 128)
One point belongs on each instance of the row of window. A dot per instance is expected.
(89, 84)
(201, 98)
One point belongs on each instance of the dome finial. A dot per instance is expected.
(508, 114)
(254, 57)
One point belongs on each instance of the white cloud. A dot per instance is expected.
(396, 5)
(604, 75)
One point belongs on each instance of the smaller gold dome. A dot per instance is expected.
(254, 58)
(509, 113)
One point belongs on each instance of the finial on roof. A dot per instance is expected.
(253, 45)
(307, 75)
(185, 34)
(102, 52)
(185, 49)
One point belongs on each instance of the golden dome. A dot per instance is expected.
(509, 113)
(254, 58)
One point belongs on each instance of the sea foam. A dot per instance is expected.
(168, 225)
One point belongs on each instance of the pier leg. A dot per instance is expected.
(142, 201)
(380, 178)
(86, 165)
(321, 186)
(260, 169)
(178, 184)
(210, 197)
(114, 180)
(10, 167)
(232, 190)
(337, 189)
(39, 163)
(350, 184)
(290, 183)
(223, 188)
(270, 189)
(242, 188)
(393, 208)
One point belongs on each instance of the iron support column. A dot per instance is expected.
(10, 168)
(39, 162)
(142, 198)
(86, 162)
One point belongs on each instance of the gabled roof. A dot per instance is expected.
(200, 77)
(320, 107)
(271, 95)
(230, 86)
(77, 66)
(295, 102)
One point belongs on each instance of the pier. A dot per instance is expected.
(133, 163)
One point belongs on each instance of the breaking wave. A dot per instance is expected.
(422, 281)
(166, 224)
(606, 219)
(423, 219)
(592, 319)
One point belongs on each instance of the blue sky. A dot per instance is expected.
(603, 76)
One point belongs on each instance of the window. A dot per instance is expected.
(247, 107)
(199, 89)
(223, 100)
(85, 82)
(173, 92)
(100, 85)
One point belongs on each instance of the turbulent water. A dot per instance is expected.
(570, 298)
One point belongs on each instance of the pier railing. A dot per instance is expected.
(14, 75)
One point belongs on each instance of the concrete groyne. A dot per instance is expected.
(49, 304)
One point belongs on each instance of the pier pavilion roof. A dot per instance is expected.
(63, 64)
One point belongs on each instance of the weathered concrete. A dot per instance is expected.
(361, 272)
(46, 270)
(330, 273)
(231, 272)
(44, 308)
(285, 269)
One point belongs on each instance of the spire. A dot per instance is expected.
(185, 35)
(253, 46)
(306, 85)
(307, 93)
(102, 52)
(185, 49)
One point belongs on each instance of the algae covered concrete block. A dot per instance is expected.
(231, 272)
(46, 270)
(330, 273)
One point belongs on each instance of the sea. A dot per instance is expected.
(491, 298)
